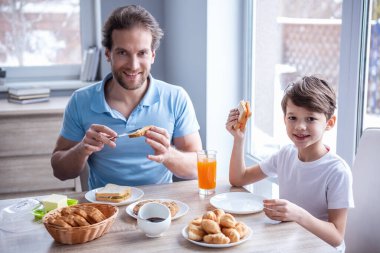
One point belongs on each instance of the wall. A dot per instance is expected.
(224, 73)
(186, 52)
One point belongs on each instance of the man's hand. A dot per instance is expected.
(95, 138)
(159, 139)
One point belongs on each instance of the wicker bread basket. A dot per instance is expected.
(82, 234)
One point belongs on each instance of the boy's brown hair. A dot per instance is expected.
(312, 93)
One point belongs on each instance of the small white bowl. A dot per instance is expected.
(154, 219)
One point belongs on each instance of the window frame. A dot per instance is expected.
(264, 187)
(353, 48)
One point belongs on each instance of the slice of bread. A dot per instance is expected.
(244, 114)
(113, 193)
(140, 132)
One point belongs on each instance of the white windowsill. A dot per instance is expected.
(53, 85)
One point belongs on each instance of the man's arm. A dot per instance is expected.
(69, 157)
(183, 158)
(180, 159)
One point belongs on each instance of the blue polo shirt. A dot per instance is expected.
(164, 105)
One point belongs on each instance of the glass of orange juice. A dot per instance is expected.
(206, 171)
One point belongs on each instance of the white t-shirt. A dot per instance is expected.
(315, 186)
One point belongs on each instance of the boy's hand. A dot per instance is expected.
(231, 121)
(282, 210)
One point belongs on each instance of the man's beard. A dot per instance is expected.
(130, 86)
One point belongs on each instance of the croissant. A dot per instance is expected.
(80, 220)
(195, 232)
(66, 211)
(219, 213)
(69, 219)
(80, 212)
(231, 233)
(210, 226)
(197, 221)
(216, 239)
(228, 221)
(173, 207)
(140, 204)
(210, 215)
(241, 228)
(94, 215)
(59, 222)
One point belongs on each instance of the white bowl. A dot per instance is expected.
(154, 219)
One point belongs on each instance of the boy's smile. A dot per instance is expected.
(301, 137)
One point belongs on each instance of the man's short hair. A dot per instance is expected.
(129, 17)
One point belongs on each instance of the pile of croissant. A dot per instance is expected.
(76, 216)
(217, 227)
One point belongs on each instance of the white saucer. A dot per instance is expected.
(238, 202)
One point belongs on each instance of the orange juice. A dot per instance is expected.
(207, 174)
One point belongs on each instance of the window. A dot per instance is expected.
(44, 40)
(290, 39)
(40, 33)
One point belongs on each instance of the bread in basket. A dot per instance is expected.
(83, 233)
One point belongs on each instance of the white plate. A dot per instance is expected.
(136, 195)
(238, 202)
(183, 208)
(186, 236)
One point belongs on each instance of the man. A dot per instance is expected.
(128, 98)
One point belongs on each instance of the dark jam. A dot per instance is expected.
(155, 219)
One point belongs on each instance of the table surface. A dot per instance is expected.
(125, 236)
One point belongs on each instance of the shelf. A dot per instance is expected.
(53, 106)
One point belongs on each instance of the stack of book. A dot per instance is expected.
(28, 95)
(90, 64)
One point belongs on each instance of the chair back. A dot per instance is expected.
(363, 223)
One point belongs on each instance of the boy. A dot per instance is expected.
(315, 184)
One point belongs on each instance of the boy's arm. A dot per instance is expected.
(331, 231)
(240, 175)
